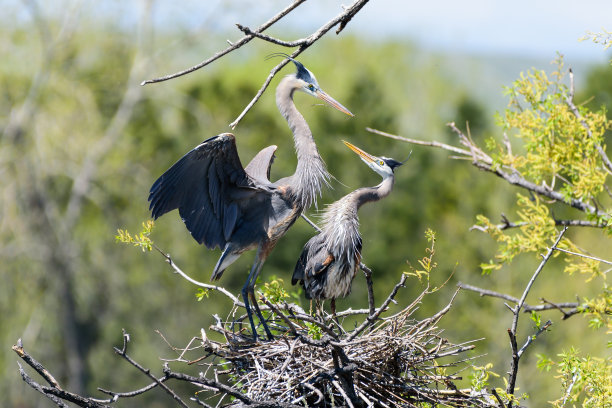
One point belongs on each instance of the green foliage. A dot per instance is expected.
(202, 294)
(604, 38)
(552, 143)
(544, 363)
(537, 319)
(598, 309)
(141, 240)
(557, 149)
(314, 331)
(479, 378)
(586, 381)
(69, 100)
(427, 264)
(274, 291)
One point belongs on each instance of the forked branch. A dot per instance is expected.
(302, 44)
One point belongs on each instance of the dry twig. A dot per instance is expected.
(302, 44)
(397, 362)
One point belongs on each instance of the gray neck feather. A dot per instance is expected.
(310, 173)
(340, 220)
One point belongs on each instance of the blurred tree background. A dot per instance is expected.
(82, 142)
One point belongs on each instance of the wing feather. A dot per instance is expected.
(259, 167)
(210, 188)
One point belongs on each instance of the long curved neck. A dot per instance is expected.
(310, 173)
(340, 220)
(368, 194)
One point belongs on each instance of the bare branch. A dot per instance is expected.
(530, 339)
(517, 309)
(420, 142)
(594, 258)
(263, 88)
(232, 47)
(368, 275)
(40, 388)
(372, 317)
(506, 224)
(273, 40)
(342, 19)
(526, 307)
(147, 372)
(18, 348)
(484, 162)
(178, 270)
(55, 393)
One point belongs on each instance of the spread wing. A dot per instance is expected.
(209, 187)
(259, 167)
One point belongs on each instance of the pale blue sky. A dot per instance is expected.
(531, 28)
(534, 28)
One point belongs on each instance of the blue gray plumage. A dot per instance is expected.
(329, 260)
(238, 209)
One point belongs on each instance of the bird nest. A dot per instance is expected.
(394, 361)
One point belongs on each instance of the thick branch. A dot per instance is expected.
(484, 162)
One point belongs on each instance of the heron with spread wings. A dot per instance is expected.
(238, 209)
(330, 259)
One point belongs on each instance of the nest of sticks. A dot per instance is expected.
(313, 361)
(386, 361)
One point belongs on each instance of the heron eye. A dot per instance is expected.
(381, 163)
(311, 87)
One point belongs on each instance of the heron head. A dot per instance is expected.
(382, 165)
(305, 81)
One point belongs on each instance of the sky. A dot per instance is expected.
(527, 28)
(531, 28)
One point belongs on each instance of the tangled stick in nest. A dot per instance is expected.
(390, 361)
(394, 361)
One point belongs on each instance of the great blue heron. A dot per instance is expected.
(237, 209)
(330, 259)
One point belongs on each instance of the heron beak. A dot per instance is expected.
(367, 157)
(332, 102)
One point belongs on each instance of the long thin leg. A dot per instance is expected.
(245, 297)
(333, 310)
(251, 293)
(260, 316)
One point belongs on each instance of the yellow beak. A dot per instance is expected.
(364, 155)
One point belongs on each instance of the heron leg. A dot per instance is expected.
(248, 290)
(333, 310)
(245, 297)
(261, 318)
